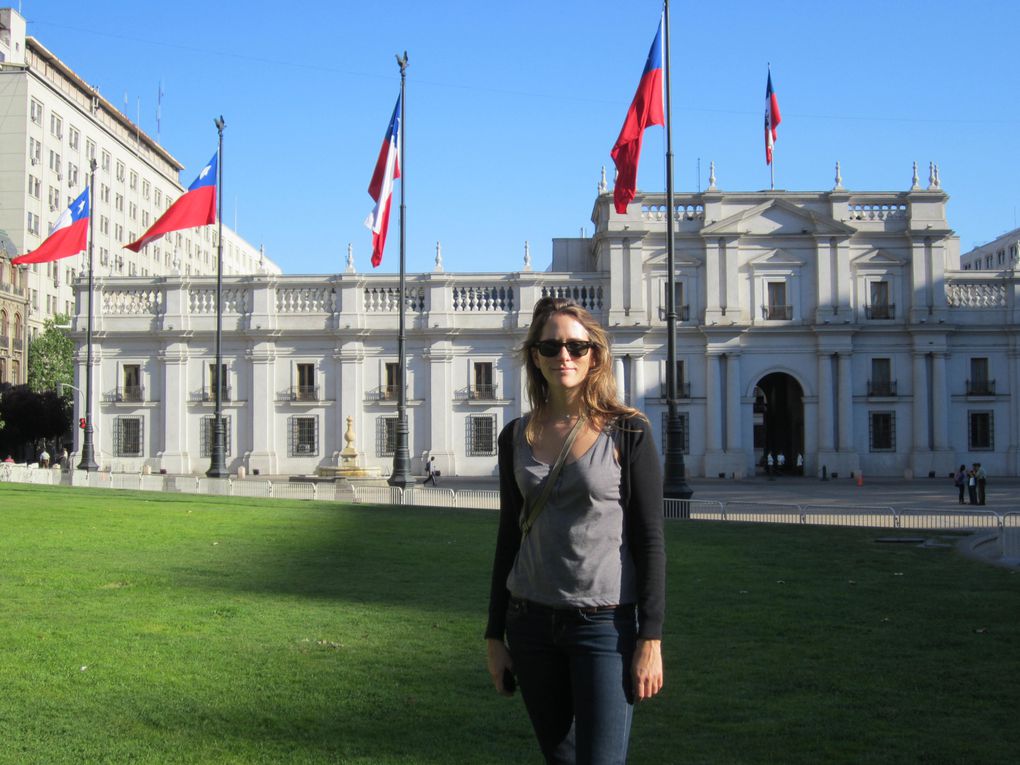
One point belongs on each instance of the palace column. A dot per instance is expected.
(262, 408)
(1013, 378)
(825, 410)
(846, 404)
(637, 393)
(734, 421)
(350, 395)
(440, 441)
(713, 404)
(621, 378)
(920, 458)
(175, 457)
(940, 403)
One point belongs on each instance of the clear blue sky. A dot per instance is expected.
(512, 108)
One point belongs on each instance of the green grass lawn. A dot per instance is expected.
(170, 628)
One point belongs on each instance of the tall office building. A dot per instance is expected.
(52, 125)
(1000, 254)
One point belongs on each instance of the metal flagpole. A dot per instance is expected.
(88, 454)
(674, 485)
(401, 475)
(217, 462)
(771, 128)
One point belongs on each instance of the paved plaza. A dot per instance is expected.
(923, 493)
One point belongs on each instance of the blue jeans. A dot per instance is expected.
(573, 669)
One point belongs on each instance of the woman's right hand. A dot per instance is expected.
(498, 661)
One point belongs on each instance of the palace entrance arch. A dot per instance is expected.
(778, 419)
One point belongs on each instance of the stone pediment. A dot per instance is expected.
(680, 260)
(777, 217)
(776, 259)
(875, 258)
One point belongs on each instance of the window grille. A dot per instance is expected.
(481, 435)
(304, 437)
(127, 434)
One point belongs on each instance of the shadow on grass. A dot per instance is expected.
(436, 560)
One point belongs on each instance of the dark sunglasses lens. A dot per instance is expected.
(551, 348)
(577, 350)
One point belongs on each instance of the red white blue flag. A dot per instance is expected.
(772, 119)
(68, 237)
(196, 207)
(646, 109)
(387, 170)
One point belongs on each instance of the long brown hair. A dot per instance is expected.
(599, 399)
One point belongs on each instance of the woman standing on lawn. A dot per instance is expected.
(578, 581)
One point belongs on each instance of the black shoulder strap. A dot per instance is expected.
(539, 505)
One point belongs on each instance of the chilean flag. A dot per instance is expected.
(387, 170)
(646, 109)
(196, 207)
(772, 119)
(68, 237)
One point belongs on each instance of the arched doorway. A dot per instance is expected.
(778, 420)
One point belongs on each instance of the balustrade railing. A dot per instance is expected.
(881, 388)
(876, 211)
(980, 387)
(683, 313)
(587, 296)
(129, 394)
(486, 298)
(777, 312)
(120, 301)
(208, 394)
(680, 212)
(880, 311)
(304, 393)
(484, 392)
(234, 300)
(683, 390)
(387, 299)
(305, 300)
(976, 294)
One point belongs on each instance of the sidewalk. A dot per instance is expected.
(925, 493)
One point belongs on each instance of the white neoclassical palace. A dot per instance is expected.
(834, 326)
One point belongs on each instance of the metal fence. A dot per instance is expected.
(868, 516)
(1011, 536)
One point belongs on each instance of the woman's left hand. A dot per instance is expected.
(646, 669)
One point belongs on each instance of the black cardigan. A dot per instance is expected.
(641, 495)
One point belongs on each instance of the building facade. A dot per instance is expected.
(52, 125)
(13, 310)
(834, 328)
(1000, 254)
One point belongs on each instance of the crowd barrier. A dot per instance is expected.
(1011, 535)
(964, 519)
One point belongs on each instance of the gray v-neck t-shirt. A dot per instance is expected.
(576, 553)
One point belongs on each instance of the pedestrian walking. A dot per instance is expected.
(431, 474)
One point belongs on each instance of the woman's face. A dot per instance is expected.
(563, 370)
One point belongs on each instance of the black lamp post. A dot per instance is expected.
(674, 485)
(88, 453)
(401, 474)
(217, 462)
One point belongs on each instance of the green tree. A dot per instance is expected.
(51, 356)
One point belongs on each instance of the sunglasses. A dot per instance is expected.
(551, 348)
